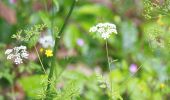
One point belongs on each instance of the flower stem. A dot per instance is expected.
(53, 60)
(12, 90)
(45, 5)
(40, 59)
(109, 63)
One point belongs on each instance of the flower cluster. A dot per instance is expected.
(104, 29)
(47, 41)
(17, 54)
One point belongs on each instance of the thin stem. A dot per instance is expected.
(108, 61)
(56, 46)
(126, 81)
(128, 78)
(13, 92)
(45, 5)
(40, 60)
(110, 77)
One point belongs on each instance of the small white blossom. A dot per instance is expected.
(47, 41)
(105, 29)
(17, 54)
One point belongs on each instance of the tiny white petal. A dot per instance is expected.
(101, 30)
(100, 25)
(10, 56)
(8, 51)
(18, 60)
(23, 47)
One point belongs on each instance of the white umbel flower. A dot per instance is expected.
(104, 29)
(47, 41)
(17, 54)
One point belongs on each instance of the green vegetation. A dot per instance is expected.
(84, 49)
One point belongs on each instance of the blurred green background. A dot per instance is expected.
(80, 54)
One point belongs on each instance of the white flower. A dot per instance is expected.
(47, 41)
(17, 54)
(104, 29)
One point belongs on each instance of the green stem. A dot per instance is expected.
(56, 46)
(45, 5)
(12, 90)
(110, 77)
(108, 61)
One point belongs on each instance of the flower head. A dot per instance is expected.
(104, 29)
(41, 50)
(12, 1)
(17, 54)
(162, 85)
(47, 41)
(80, 42)
(49, 53)
(133, 68)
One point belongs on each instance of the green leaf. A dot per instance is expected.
(32, 86)
(57, 5)
(45, 18)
